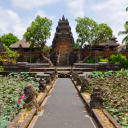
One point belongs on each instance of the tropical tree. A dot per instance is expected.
(90, 32)
(9, 39)
(125, 32)
(38, 33)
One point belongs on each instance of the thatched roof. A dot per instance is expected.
(110, 42)
(23, 43)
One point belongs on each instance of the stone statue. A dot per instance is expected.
(71, 70)
(48, 80)
(75, 75)
(84, 85)
(30, 97)
(96, 98)
(78, 81)
(52, 75)
(42, 85)
(56, 73)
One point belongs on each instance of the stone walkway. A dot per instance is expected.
(64, 109)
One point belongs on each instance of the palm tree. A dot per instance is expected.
(124, 32)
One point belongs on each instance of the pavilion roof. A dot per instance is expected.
(109, 43)
(23, 43)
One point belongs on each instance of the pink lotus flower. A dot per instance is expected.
(19, 100)
(113, 99)
(17, 89)
(22, 97)
(115, 82)
(90, 79)
(9, 82)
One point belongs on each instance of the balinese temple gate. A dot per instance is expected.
(62, 52)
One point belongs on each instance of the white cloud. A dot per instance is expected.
(11, 23)
(29, 4)
(43, 14)
(73, 30)
(111, 12)
(76, 7)
(49, 41)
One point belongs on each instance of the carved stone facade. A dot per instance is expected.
(62, 52)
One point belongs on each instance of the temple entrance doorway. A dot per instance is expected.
(63, 48)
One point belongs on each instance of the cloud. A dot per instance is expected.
(43, 14)
(73, 30)
(111, 12)
(29, 4)
(11, 23)
(75, 7)
(49, 41)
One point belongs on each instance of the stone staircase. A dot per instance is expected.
(63, 61)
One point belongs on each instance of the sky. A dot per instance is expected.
(17, 15)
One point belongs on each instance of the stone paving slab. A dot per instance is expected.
(64, 109)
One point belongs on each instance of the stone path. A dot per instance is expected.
(64, 109)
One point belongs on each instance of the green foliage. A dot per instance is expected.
(117, 58)
(9, 39)
(91, 60)
(125, 40)
(44, 50)
(76, 46)
(102, 60)
(10, 53)
(38, 32)
(127, 9)
(115, 90)
(11, 89)
(1, 68)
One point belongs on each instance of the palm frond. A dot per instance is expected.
(125, 39)
(122, 32)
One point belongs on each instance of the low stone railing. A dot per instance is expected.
(94, 102)
(22, 120)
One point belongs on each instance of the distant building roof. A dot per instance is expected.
(23, 43)
(110, 42)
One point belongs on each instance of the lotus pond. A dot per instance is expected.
(11, 95)
(115, 93)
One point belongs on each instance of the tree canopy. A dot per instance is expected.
(38, 32)
(89, 31)
(9, 39)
